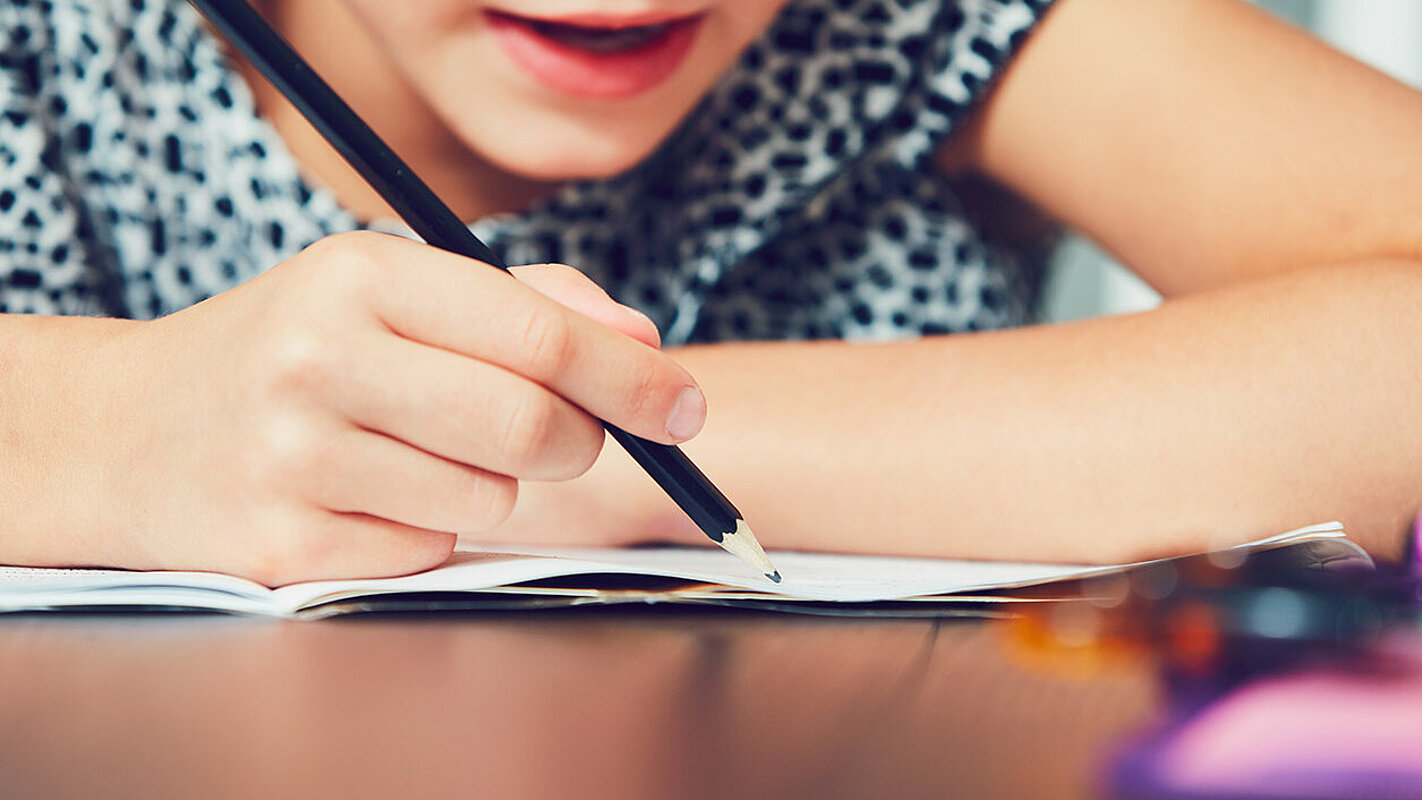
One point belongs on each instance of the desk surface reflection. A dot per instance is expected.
(567, 704)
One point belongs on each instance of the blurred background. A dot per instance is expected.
(1384, 33)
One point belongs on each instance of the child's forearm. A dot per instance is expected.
(1211, 420)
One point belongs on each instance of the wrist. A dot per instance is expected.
(59, 389)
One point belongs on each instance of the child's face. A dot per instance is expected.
(557, 89)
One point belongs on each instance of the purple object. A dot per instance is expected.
(1318, 734)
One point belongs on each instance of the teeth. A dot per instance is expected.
(603, 40)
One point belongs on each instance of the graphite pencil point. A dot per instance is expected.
(742, 544)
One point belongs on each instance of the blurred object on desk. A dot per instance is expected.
(1346, 731)
(1291, 674)
(1215, 619)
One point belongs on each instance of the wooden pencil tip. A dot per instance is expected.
(742, 544)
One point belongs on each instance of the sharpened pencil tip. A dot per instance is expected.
(742, 544)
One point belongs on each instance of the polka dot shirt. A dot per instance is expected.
(798, 201)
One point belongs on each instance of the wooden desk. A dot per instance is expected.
(558, 705)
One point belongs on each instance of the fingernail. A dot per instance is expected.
(687, 415)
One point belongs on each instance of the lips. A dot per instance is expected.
(596, 56)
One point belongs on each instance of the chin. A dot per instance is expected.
(566, 166)
(563, 152)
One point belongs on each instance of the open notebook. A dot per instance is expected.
(530, 577)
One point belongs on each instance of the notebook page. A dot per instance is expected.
(36, 579)
(808, 576)
(24, 588)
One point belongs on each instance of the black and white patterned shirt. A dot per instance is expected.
(797, 201)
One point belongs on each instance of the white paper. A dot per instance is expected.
(807, 577)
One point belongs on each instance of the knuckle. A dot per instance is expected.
(301, 359)
(416, 552)
(644, 388)
(582, 458)
(296, 459)
(491, 501)
(529, 431)
(353, 245)
(288, 553)
(548, 342)
(281, 451)
(345, 262)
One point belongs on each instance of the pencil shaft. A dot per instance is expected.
(682, 481)
(381, 167)
(433, 220)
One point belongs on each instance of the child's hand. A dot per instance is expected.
(354, 409)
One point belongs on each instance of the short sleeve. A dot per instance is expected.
(968, 45)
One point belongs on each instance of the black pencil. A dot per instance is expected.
(433, 220)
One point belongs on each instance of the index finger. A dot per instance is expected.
(451, 302)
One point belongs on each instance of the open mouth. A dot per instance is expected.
(605, 40)
(596, 56)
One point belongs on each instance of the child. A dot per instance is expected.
(829, 208)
